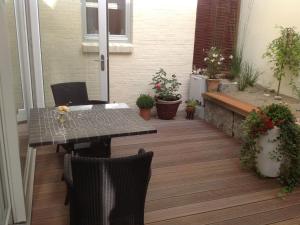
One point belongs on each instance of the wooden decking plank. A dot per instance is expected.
(196, 179)
(236, 212)
(191, 209)
(294, 221)
(268, 217)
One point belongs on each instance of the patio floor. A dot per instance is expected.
(196, 179)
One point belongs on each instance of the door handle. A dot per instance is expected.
(102, 59)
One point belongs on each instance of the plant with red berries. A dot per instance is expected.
(165, 88)
(264, 122)
(259, 123)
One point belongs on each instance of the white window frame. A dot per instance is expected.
(127, 38)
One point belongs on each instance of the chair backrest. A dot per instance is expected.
(109, 191)
(72, 93)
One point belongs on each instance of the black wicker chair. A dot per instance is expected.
(72, 94)
(108, 191)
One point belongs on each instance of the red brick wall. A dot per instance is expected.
(216, 25)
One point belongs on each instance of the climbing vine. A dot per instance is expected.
(288, 152)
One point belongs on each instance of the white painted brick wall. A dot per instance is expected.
(163, 36)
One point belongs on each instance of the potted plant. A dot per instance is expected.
(167, 97)
(191, 108)
(284, 54)
(271, 144)
(145, 104)
(214, 61)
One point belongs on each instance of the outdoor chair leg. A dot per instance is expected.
(67, 197)
(57, 148)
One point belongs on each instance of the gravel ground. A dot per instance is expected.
(260, 96)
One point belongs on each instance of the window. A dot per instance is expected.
(119, 12)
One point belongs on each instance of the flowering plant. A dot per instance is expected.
(259, 123)
(214, 61)
(165, 88)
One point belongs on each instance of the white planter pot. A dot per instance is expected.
(268, 143)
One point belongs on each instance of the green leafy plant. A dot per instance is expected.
(258, 123)
(236, 64)
(145, 101)
(192, 103)
(248, 76)
(165, 87)
(284, 54)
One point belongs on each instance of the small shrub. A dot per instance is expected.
(236, 64)
(145, 102)
(192, 103)
(248, 76)
(284, 53)
(279, 113)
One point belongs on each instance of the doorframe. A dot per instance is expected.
(23, 114)
(103, 49)
(37, 52)
(22, 38)
(9, 125)
(4, 177)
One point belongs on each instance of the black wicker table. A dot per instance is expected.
(85, 123)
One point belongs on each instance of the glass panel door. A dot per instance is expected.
(64, 57)
(17, 78)
(4, 202)
(16, 72)
(11, 102)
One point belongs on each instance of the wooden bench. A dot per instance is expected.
(230, 103)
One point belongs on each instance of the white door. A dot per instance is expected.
(5, 206)
(61, 50)
(103, 48)
(12, 192)
(20, 59)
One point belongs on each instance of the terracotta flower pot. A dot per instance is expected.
(145, 114)
(190, 111)
(167, 110)
(212, 85)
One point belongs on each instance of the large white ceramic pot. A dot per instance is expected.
(268, 143)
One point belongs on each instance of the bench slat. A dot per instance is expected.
(230, 103)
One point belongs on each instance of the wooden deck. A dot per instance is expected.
(196, 180)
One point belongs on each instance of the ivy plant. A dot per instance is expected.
(284, 54)
(288, 152)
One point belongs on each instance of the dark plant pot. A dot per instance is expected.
(190, 112)
(145, 114)
(166, 110)
(213, 85)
